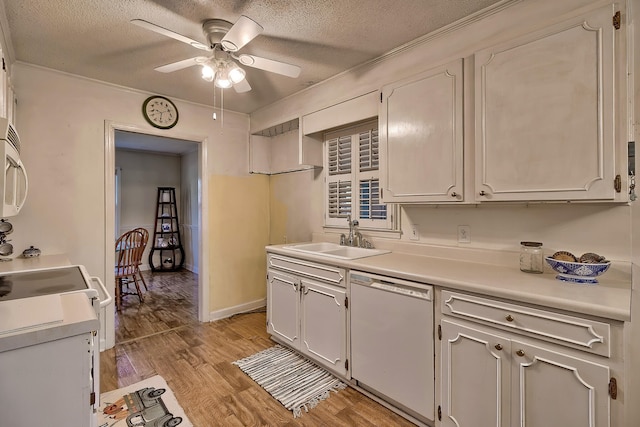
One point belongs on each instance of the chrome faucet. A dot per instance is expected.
(354, 238)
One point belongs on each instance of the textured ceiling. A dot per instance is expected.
(95, 39)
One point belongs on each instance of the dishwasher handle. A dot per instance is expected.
(402, 289)
(389, 284)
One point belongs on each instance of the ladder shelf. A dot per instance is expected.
(167, 253)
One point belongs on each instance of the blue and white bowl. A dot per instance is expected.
(578, 272)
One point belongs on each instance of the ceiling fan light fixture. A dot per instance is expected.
(236, 74)
(208, 73)
(222, 79)
(223, 83)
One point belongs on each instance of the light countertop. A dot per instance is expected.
(610, 298)
(76, 317)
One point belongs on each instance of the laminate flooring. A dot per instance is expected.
(162, 336)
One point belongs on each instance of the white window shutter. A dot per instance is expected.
(339, 199)
(368, 150)
(339, 155)
(370, 206)
(354, 190)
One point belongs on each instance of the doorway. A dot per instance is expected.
(144, 147)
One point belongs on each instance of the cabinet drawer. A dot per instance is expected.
(584, 334)
(326, 273)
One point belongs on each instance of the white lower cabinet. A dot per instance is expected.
(550, 387)
(323, 324)
(496, 377)
(283, 307)
(474, 377)
(309, 316)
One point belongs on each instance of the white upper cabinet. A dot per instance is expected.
(545, 110)
(421, 137)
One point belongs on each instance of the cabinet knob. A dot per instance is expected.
(520, 353)
(498, 346)
(482, 193)
(509, 318)
(454, 194)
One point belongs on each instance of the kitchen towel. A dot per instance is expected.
(146, 403)
(293, 380)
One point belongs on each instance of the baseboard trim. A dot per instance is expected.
(192, 268)
(242, 308)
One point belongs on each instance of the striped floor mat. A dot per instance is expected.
(291, 379)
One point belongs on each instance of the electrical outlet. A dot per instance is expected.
(415, 235)
(464, 234)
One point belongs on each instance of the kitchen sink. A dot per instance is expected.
(335, 250)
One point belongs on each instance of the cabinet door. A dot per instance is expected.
(545, 114)
(283, 303)
(323, 324)
(475, 373)
(56, 374)
(550, 388)
(421, 137)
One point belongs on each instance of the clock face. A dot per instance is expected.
(160, 112)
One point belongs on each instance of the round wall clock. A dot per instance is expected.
(160, 112)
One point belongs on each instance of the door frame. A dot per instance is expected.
(109, 138)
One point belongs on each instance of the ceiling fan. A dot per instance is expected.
(223, 40)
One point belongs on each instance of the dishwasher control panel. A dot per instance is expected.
(401, 290)
(389, 284)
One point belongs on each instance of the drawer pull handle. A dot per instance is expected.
(509, 318)
(498, 347)
(520, 353)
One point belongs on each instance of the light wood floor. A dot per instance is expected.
(163, 337)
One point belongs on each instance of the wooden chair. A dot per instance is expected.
(129, 249)
(145, 240)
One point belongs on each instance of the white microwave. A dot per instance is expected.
(13, 183)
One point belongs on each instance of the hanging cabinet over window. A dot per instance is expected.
(421, 137)
(545, 108)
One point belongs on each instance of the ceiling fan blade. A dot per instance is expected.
(243, 31)
(185, 63)
(160, 30)
(269, 65)
(242, 87)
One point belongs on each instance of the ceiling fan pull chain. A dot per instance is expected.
(215, 114)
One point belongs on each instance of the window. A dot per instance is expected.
(352, 178)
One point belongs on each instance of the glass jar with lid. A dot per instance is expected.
(531, 257)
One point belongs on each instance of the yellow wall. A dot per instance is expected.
(239, 231)
(296, 200)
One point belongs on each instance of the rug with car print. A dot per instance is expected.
(148, 403)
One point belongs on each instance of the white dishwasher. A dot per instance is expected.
(392, 350)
